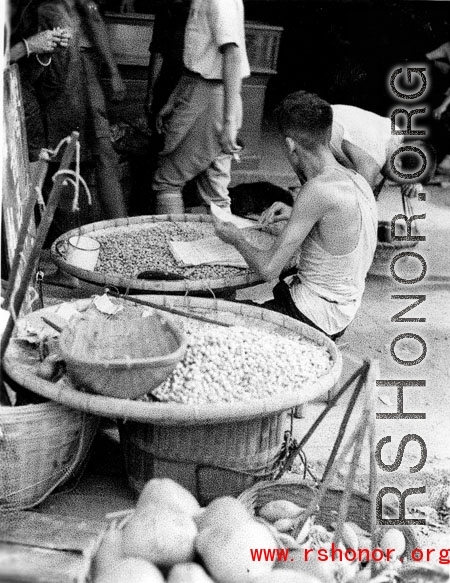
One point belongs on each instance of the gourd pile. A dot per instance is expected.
(241, 364)
(169, 538)
(130, 251)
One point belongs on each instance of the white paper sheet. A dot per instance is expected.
(210, 250)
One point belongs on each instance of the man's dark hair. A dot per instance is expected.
(303, 115)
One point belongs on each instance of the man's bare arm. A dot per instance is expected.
(232, 89)
(362, 163)
(309, 208)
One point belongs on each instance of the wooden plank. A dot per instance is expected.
(23, 564)
(64, 533)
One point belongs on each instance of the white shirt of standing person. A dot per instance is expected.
(212, 24)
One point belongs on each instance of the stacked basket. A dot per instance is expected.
(41, 447)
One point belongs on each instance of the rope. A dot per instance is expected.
(75, 206)
(52, 153)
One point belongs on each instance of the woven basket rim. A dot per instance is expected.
(127, 363)
(143, 285)
(174, 413)
(292, 480)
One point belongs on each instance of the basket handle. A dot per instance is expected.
(59, 244)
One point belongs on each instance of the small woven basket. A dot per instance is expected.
(301, 493)
(123, 358)
(41, 447)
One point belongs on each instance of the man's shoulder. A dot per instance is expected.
(334, 184)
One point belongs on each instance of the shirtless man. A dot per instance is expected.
(333, 223)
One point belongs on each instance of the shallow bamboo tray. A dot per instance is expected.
(140, 285)
(301, 493)
(174, 413)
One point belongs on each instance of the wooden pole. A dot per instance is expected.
(176, 311)
(24, 227)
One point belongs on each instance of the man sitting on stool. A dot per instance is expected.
(332, 226)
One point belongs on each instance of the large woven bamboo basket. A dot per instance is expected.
(125, 358)
(94, 230)
(209, 460)
(41, 447)
(301, 493)
(175, 414)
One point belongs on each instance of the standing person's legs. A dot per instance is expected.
(108, 183)
(109, 189)
(212, 184)
(192, 147)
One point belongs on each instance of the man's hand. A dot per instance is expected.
(228, 139)
(411, 190)
(439, 111)
(65, 36)
(279, 211)
(164, 112)
(228, 232)
(46, 41)
(118, 88)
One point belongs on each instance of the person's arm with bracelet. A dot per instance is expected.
(44, 42)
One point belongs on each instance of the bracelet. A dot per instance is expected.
(27, 46)
(44, 64)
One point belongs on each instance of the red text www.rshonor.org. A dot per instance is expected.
(337, 554)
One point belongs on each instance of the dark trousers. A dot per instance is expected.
(284, 304)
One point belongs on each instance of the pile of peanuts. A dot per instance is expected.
(241, 364)
(129, 252)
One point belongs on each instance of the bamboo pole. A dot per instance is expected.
(44, 226)
(24, 227)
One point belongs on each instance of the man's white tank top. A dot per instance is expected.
(328, 288)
